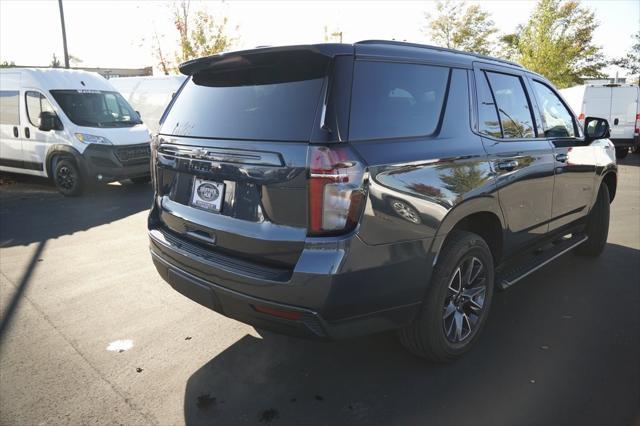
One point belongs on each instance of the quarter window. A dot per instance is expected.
(513, 106)
(10, 107)
(36, 103)
(556, 119)
(391, 100)
(489, 124)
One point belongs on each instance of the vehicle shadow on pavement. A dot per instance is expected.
(560, 347)
(10, 309)
(31, 210)
(632, 159)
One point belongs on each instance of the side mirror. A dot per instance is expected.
(49, 121)
(595, 128)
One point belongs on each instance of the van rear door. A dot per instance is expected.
(624, 107)
(597, 102)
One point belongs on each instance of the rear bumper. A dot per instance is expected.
(327, 294)
(110, 163)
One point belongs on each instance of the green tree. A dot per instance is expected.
(631, 62)
(55, 62)
(458, 26)
(199, 34)
(6, 64)
(557, 42)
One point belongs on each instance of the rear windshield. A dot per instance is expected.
(264, 101)
(392, 100)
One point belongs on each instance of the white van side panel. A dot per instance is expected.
(149, 95)
(10, 126)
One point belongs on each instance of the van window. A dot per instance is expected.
(513, 105)
(391, 100)
(556, 119)
(10, 107)
(488, 122)
(96, 108)
(36, 103)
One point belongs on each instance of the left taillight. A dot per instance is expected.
(336, 190)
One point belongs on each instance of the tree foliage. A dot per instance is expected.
(557, 42)
(458, 26)
(200, 34)
(7, 64)
(55, 62)
(631, 62)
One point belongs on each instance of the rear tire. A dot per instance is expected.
(435, 334)
(597, 228)
(67, 177)
(621, 153)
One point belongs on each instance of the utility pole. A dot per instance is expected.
(64, 36)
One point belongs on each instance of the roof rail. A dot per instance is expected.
(438, 48)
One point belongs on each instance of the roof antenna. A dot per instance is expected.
(82, 82)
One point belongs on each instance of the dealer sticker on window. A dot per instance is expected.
(207, 195)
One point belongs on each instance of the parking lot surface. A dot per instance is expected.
(90, 334)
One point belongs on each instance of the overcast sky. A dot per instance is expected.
(118, 33)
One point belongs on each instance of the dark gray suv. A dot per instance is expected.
(336, 190)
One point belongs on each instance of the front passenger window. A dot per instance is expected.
(556, 119)
(36, 103)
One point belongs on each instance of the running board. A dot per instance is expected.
(509, 277)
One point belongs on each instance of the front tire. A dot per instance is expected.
(67, 178)
(457, 302)
(597, 225)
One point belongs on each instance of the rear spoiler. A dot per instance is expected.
(228, 61)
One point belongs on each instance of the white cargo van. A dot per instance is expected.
(149, 95)
(617, 103)
(71, 126)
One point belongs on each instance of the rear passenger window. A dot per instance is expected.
(36, 103)
(513, 106)
(556, 118)
(489, 123)
(10, 107)
(391, 100)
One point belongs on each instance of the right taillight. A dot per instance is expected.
(336, 190)
(637, 126)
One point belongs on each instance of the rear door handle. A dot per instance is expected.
(15, 131)
(561, 157)
(507, 165)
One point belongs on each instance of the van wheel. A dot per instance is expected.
(457, 302)
(597, 225)
(67, 178)
(621, 153)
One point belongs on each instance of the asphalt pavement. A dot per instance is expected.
(89, 334)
